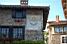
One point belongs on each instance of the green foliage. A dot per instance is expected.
(27, 42)
(46, 33)
(46, 37)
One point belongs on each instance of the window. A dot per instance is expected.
(58, 29)
(4, 32)
(17, 33)
(65, 28)
(18, 14)
(64, 39)
(12, 32)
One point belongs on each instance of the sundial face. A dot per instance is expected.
(34, 22)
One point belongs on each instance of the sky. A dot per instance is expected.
(55, 6)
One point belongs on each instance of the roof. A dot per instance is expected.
(54, 23)
(28, 7)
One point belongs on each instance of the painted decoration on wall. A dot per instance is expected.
(34, 22)
(33, 28)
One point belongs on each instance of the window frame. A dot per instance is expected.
(15, 11)
(61, 39)
(17, 32)
(4, 30)
(64, 30)
(10, 31)
(60, 30)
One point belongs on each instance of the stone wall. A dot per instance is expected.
(6, 18)
(34, 25)
(55, 39)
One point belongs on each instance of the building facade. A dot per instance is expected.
(22, 22)
(64, 4)
(57, 32)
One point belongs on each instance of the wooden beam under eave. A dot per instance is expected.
(45, 17)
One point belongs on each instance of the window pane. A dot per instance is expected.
(58, 29)
(65, 28)
(19, 13)
(5, 32)
(0, 33)
(17, 33)
(24, 14)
